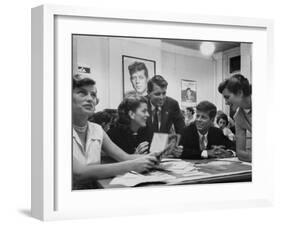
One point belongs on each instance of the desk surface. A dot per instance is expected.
(218, 172)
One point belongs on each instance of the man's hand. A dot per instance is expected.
(219, 152)
(175, 152)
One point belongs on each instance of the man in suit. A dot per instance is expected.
(202, 140)
(164, 111)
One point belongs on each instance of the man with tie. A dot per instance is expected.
(202, 140)
(164, 111)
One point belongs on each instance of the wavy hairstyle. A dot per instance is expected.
(207, 107)
(137, 66)
(222, 116)
(129, 103)
(79, 81)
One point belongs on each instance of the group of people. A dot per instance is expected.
(139, 117)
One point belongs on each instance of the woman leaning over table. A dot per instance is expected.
(132, 116)
(89, 138)
(237, 92)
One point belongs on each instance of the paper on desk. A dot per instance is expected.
(216, 163)
(178, 167)
(235, 159)
(132, 179)
(188, 177)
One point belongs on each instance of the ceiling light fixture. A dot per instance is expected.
(207, 48)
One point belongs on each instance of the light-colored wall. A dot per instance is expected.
(176, 67)
(94, 53)
(104, 57)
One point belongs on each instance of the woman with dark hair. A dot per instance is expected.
(222, 123)
(237, 91)
(132, 116)
(89, 138)
(189, 116)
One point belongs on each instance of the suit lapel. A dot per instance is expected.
(196, 137)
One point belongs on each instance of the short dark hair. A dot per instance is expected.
(79, 81)
(137, 66)
(207, 107)
(158, 80)
(222, 116)
(191, 109)
(100, 117)
(235, 84)
(130, 103)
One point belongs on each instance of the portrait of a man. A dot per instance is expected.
(136, 73)
(139, 77)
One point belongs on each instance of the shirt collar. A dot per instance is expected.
(153, 107)
(201, 135)
(90, 133)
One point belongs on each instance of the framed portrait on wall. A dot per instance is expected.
(188, 93)
(136, 73)
(52, 108)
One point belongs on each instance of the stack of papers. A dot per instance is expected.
(178, 167)
(132, 179)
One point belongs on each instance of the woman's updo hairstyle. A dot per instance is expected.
(235, 84)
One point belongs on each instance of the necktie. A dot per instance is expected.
(155, 120)
(203, 143)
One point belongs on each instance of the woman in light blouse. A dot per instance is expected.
(89, 139)
(237, 91)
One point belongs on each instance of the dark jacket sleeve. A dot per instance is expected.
(218, 138)
(178, 119)
(189, 141)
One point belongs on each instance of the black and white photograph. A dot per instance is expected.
(188, 93)
(136, 73)
(135, 98)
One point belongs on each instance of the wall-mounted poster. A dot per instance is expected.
(188, 93)
(136, 73)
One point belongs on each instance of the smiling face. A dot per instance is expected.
(84, 100)
(139, 81)
(158, 95)
(222, 123)
(232, 99)
(203, 122)
(140, 115)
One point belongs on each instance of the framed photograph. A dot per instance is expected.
(188, 93)
(136, 72)
(61, 49)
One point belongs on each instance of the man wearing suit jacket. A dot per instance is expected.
(202, 140)
(164, 111)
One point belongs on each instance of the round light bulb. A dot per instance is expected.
(207, 48)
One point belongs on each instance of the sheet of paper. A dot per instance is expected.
(187, 177)
(178, 167)
(159, 142)
(133, 179)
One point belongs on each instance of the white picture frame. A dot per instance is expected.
(52, 197)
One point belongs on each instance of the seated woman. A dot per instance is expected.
(89, 138)
(222, 123)
(132, 115)
(237, 91)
